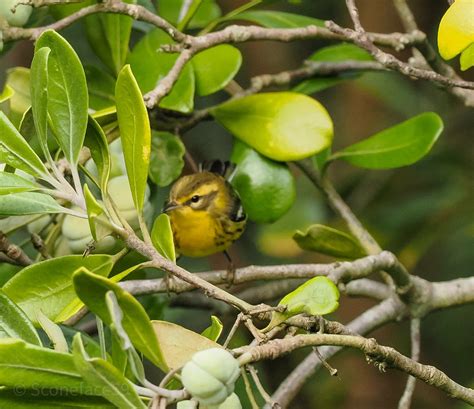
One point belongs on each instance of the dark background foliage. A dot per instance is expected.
(423, 213)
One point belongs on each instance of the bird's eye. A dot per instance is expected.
(195, 199)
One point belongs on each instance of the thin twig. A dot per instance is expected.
(405, 400)
(13, 252)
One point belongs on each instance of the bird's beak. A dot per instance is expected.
(170, 206)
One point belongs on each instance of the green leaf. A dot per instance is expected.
(207, 11)
(120, 335)
(158, 64)
(39, 96)
(335, 53)
(7, 93)
(467, 58)
(134, 132)
(162, 237)
(29, 399)
(11, 183)
(14, 323)
(179, 344)
(109, 35)
(96, 141)
(326, 240)
(277, 19)
(267, 188)
(318, 296)
(214, 331)
(400, 145)
(166, 159)
(94, 210)
(283, 126)
(27, 366)
(20, 204)
(215, 67)
(101, 87)
(16, 152)
(99, 373)
(68, 99)
(47, 286)
(53, 331)
(91, 289)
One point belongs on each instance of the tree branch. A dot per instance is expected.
(13, 252)
(407, 396)
(382, 356)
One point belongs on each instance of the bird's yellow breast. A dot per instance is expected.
(199, 234)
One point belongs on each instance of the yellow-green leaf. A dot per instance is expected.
(467, 58)
(162, 237)
(456, 29)
(318, 296)
(179, 344)
(135, 133)
(326, 240)
(284, 126)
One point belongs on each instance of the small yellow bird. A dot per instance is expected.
(205, 212)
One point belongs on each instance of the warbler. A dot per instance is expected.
(205, 211)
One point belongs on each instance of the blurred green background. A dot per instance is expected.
(423, 213)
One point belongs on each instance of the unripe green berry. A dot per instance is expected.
(232, 402)
(210, 376)
(21, 15)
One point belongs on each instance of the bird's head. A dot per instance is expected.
(200, 192)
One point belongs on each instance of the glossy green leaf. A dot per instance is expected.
(94, 210)
(27, 366)
(99, 373)
(20, 204)
(162, 237)
(109, 35)
(92, 289)
(278, 19)
(101, 87)
(215, 67)
(267, 188)
(135, 133)
(283, 126)
(339, 52)
(318, 296)
(96, 141)
(29, 399)
(179, 344)
(166, 160)
(68, 99)
(326, 240)
(47, 286)
(214, 331)
(12, 183)
(400, 145)
(207, 11)
(14, 323)
(53, 331)
(39, 96)
(467, 58)
(158, 64)
(120, 335)
(16, 152)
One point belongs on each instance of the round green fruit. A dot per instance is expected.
(210, 376)
(18, 18)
